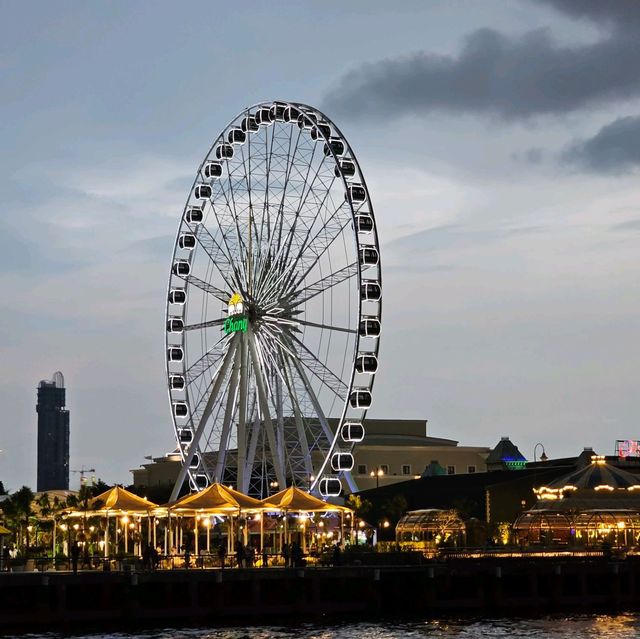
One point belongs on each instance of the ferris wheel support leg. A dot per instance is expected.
(314, 400)
(264, 406)
(304, 444)
(191, 451)
(242, 415)
(228, 416)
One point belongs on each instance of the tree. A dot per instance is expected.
(23, 503)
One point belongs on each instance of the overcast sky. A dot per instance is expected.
(501, 145)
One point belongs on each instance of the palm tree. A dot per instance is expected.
(23, 501)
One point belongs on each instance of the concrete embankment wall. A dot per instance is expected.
(48, 600)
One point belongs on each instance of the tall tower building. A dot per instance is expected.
(53, 435)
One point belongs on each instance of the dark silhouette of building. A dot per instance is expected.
(53, 435)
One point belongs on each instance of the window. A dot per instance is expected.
(471, 469)
(384, 468)
(362, 469)
(451, 470)
(406, 469)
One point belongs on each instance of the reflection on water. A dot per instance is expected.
(620, 626)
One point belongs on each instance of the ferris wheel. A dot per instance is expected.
(274, 307)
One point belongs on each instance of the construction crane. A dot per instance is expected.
(82, 472)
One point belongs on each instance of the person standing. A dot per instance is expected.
(75, 554)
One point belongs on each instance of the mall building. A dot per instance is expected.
(393, 450)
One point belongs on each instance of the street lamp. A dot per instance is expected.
(377, 473)
(543, 457)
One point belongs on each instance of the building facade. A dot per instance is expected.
(53, 435)
(393, 451)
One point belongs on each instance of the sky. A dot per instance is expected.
(501, 146)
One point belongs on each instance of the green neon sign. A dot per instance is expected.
(237, 324)
(516, 465)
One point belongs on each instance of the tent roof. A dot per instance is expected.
(598, 473)
(119, 499)
(4, 531)
(293, 498)
(217, 498)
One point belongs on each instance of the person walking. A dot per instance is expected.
(75, 554)
(222, 552)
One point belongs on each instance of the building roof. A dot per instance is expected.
(597, 473)
(505, 451)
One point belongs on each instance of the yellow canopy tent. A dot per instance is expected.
(293, 499)
(216, 499)
(296, 500)
(118, 501)
(4, 531)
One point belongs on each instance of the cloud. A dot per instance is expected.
(629, 225)
(624, 14)
(615, 148)
(509, 77)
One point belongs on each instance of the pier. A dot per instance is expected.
(63, 600)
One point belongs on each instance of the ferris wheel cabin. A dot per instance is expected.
(176, 382)
(194, 215)
(212, 170)
(307, 120)
(364, 223)
(342, 462)
(367, 363)
(236, 136)
(356, 193)
(370, 291)
(187, 241)
(369, 327)
(291, 114)
(185, 435)
(224, 151)
(369, 256)
(175, 325)
(335, 146)
(175, 354)
(180, 409)
(181, 268)
(330, 487)
(177, 296)
(360, 398)
(263, 115)
(352, 432)
(320, 130)
(277, 111)
(202, 192)
(249, 124)
(345, 168)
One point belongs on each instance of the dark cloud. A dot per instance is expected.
(625, 14)
(495, 74)
(614, 149)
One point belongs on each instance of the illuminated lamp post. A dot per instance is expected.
(543, 457)
(377, 473)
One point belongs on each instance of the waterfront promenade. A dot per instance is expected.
(64, 600)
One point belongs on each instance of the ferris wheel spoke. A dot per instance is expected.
(264, 407)
(223, 445)
(218, 293)
(324, 284)
(322, 372)
(206, 361)
(329, 327)
(297, 415)
(218, 256)
(209, 324)
(314, 401)
(193, 446)
(327, 235)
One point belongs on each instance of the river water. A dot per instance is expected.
(585, 626)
